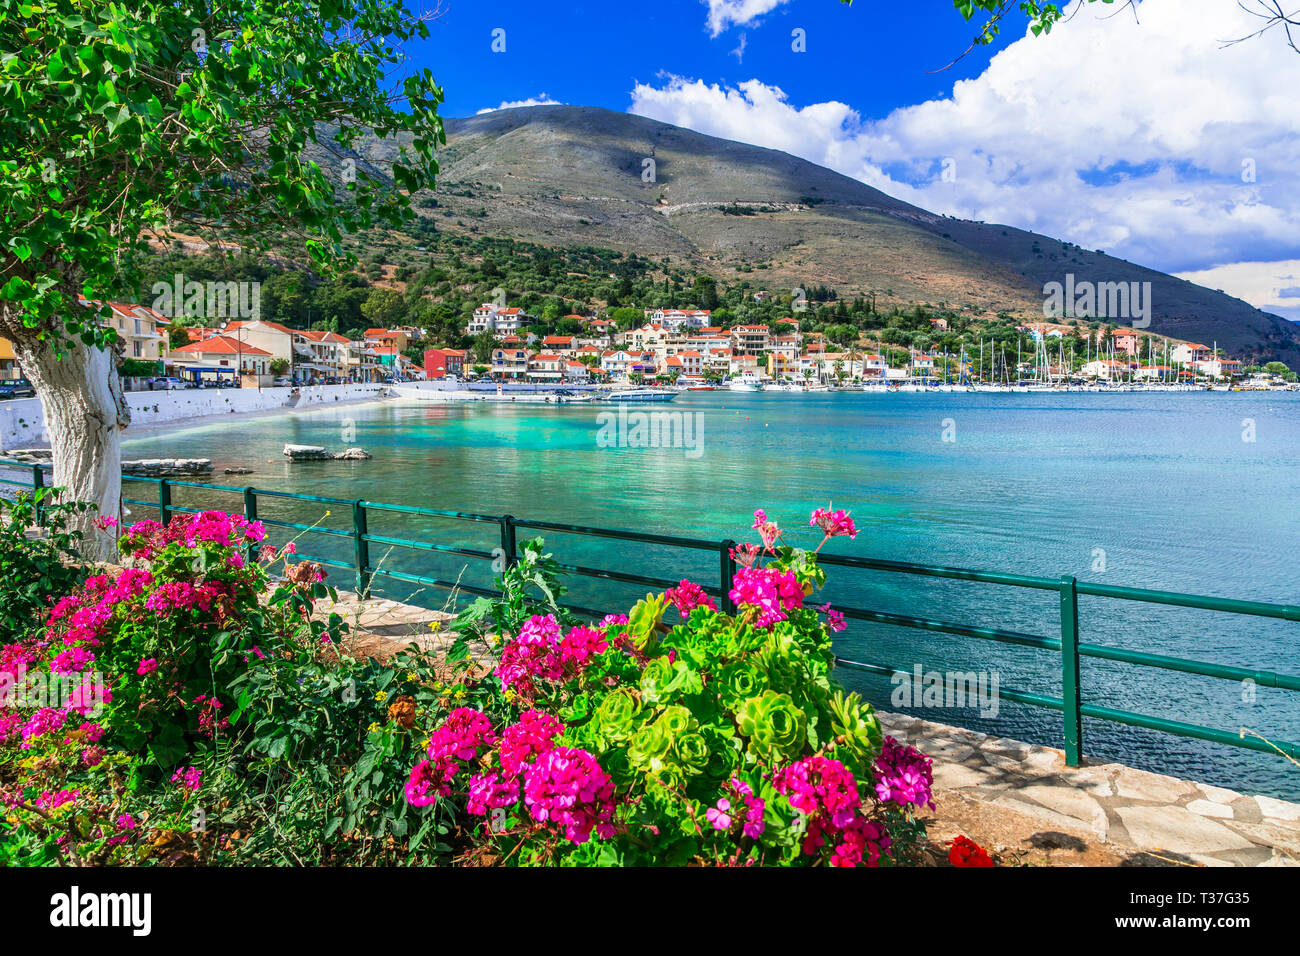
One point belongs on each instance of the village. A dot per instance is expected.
(682, 347)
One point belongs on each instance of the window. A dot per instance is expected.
(135, 348)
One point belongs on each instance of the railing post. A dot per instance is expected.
(509, 548)
(164, 501)
(726, 573)
(250, 514)
(361, 548)
(1071, 690)
(38, 485)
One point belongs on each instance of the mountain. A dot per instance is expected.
(566, 176)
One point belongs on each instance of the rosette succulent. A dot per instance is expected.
(774, 724)
(616, 714)
(739, 681)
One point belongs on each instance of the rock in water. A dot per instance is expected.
(354, 454)
(167, 467)
(306, 453)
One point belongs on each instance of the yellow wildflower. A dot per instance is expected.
(381, 696)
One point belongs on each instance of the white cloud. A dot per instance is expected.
(727, 13)
(542, 100)
(1273, 286)
(1134, 138)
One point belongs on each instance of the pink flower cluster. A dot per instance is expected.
(767, 530)
(567, 787)
(687, 596)
(825, 792)
(188, 777)
(834, 619)
(52, 800)
(834, 524)
(771, 592)
(210, 720)
(82, 617)
(144, 539)
(745, 554)
(561, 786)
(904, 775)
(459, 739)
(182, 596)
(720, 815)
(520, 744)
(71, 661)
(44, 721)
(540, 652)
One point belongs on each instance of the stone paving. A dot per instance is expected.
(1172, 820)
(381, 627)
(1169, 820)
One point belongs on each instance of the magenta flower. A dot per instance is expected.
(687, 596)
(771, 592)
(717, 815)
(767, 530)
(904, 775)
(834, 619)
(834, 524)
(147, 666)
(566, 787)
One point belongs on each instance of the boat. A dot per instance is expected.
(641, 395)
(747, 382)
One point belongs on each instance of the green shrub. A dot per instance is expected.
(37, 558)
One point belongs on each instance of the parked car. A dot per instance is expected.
(17, 388)
(166, 383)
(282, 380)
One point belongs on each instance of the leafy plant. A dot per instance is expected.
(38, 557)
(721, 740)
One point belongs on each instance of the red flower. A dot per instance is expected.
(964, 851)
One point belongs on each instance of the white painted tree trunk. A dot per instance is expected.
(85, 412)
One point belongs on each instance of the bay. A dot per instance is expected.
(1191, 492)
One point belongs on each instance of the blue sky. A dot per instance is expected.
(1139, 134)
(874, 55)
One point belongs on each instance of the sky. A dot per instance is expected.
(1136, 130)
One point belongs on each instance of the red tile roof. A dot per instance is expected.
(220, 345)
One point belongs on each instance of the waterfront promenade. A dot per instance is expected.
(22, 421)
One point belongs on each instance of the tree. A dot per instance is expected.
(383, 308)
(279, 367)
(125, 122)
(482, 347)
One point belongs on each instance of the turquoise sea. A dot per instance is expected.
(1187, 492)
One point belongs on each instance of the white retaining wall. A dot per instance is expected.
(22, 421)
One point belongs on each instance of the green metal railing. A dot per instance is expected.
(1068, 645)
